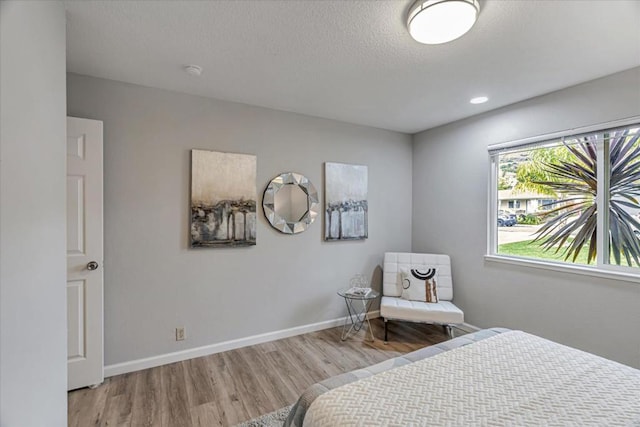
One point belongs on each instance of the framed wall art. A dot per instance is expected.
(346, 206)
(223, 199)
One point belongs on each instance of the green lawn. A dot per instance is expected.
(533, 250)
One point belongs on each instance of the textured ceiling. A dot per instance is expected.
(353, 60)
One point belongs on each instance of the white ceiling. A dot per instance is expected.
(353, 60)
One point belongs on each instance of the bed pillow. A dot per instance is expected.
(419, 284)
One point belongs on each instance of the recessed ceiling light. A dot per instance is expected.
(479, 100)
(440, 21)
(193, 70)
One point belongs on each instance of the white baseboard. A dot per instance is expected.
(178, 356)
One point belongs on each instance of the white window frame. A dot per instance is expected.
(601, 269)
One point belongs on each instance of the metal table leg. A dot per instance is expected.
(357, 318)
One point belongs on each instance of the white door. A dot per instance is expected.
(84, 253)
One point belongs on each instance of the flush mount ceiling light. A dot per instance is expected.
(440, 21)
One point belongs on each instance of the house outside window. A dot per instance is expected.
(545, 204)
(554, 184)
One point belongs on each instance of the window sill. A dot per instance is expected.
(566, 268)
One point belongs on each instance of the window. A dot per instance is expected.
(564, 178)
(545, 204)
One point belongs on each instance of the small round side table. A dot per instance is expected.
(358, 314)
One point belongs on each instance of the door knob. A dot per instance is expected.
(92, 266)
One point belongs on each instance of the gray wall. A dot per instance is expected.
(154, 283)
(450, 176)
(33, 350)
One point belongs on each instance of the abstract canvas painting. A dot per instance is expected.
(346, 207)
(223, 199)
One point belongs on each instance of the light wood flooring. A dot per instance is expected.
(227, 388)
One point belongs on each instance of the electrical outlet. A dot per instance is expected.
(180, 334)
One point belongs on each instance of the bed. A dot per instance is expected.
(492, 377)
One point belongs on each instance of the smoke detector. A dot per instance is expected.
(192, 70)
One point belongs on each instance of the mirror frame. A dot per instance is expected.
(268, 203)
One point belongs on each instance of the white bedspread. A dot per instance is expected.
(512, 379)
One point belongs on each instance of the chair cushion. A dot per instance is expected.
(416, 311)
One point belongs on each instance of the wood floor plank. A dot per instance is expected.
(207, 415)
(149, 399)
(227, 388)
(253, 398)
(312, 360)
(198, 382)
(267, 347)
(86, 406)
(295, 377)
(226, 402)
(265, 373)
(119, 401)
(176, 410)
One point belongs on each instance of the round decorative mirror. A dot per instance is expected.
(290, 203)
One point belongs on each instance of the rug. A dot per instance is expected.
(272, 419)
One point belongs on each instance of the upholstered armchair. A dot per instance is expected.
(430, 275)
